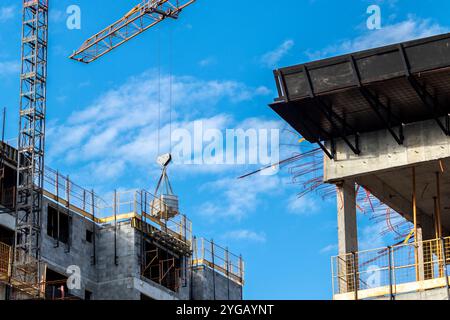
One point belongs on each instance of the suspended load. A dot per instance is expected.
(165, 205)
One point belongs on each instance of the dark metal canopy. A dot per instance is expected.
(382, 88)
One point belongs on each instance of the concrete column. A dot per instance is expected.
(424, 268)
(347, 226)
(347, 235)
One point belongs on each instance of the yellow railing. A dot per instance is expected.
(392, 270)
(209, 254)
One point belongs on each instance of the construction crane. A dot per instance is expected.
(31, 139)
(139, 19)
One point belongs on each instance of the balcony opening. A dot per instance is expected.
(56, 286)
(8, 187)
(162, 266)
(58, 225)
(6, 236)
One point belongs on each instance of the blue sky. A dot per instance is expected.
(102, 118)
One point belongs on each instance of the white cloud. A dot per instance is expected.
(239, 198)
(331, 248)
(272, 58)
(207, 62)
(412, 28)
(303, 206)
(246, 235)
(370, 237)
(9, 67)
(7, 13)
(121, 126)
(57, 16)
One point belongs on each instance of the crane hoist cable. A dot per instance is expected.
(2, 151)
(170, 86)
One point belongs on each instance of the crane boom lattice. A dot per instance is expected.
(139, 19)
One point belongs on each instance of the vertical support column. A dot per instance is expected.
(115, 228)
(347, 224)
(419, 253)
(241, 269)
(184, 226)
(422, 269)
(227, 261)
(135, 203)
(438, 205)
(347, 234)
(69, 215)
(415, 226)
(142, 225)
(439, 223)
(194, 258)
(213, 268)
(94, 227)
(444, 255)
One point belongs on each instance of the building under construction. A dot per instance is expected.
(122, 248)
(61, 241)
(381, 119)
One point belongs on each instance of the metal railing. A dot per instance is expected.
(140, 204)
(209, 254)
(65, 192)
(392, 270)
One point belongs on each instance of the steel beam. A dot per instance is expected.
(329, 114)
(431, 104)
(375, 104)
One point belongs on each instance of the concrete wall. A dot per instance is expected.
(210, 285)
(424, 141)
(434, 294)
(78, 252)
(116, 282)
(122, 281)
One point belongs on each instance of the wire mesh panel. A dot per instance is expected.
(5, 255)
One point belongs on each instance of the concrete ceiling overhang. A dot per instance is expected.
(395, 189)
(366, 91)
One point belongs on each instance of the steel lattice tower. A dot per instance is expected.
(30, 164)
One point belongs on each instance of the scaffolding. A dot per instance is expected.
(30, 164)
(137, 207)
(23, 280)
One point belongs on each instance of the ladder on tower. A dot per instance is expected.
(30, 156)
